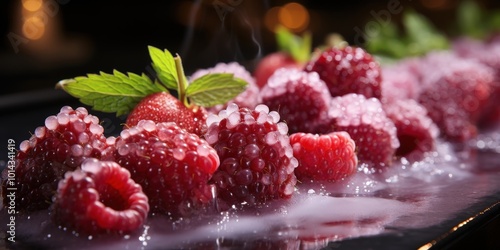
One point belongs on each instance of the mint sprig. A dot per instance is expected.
(115, 93)
(119, 93)
(298, 47)
(208, 89)
(164, 66)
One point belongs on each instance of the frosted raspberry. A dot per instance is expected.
(257, 162)
(399, 82)
(366, 122)
(172, 165)
(348, 70)
(100, 198)
(61, 145)
(301, 98)
(455, 91)
(416, 131)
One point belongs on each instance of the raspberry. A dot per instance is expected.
(399, 82)
(488, 54)
(248, 98)
(100, 198)
(257, 162)
(60, 146)
(327, 157)
(455, 91)
(300, 98)
(172, 165)
(416, 131)
(367, 124)
(348, 70)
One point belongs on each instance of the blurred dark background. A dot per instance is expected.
(44, 41)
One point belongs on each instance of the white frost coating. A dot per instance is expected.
(212, 119)
(212, 135)
(111, 140)
(123, 149)
(133, 131)
(77, 150)
(66, 109)
(51, 122)
(202, 150)
(77, 175)
(275, 116)
(148, 125)
(40, 132)
(79, 126)
(262, 118)
(231, 108)
(178, 154)
(249, 119)
(271, 138)
(24, 146)
(62, 118)
(96, 129)
(223, 114)
(91, 165)
(262, 108)
(82, 110)
(282, 128)
(83, 138)
(233, 119)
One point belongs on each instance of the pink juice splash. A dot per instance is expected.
(404, 196)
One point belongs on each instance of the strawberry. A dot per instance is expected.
(144, 99)
(327, 157)
(347, 70)
(163, 107)
(294, 52)
(272, 62)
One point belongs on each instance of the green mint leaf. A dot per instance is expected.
(299, 48)
(212, 89)
(422, 35)
(164, 65)
(114, 93)
(470, 19)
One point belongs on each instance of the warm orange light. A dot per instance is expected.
(33, 28)
(294, 16)
(271, 18)
(32, 5)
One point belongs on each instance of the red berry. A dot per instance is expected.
(272, 62)
(455, 91)
(300, 98)
(416, 131)
(100, 198)
(327, 157)
(172, 165)
(60, 146)
(348, 70)
(400, 82)
(163, 107)
(257, 160)
(367, 124)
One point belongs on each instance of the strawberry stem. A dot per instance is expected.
(182, 81)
